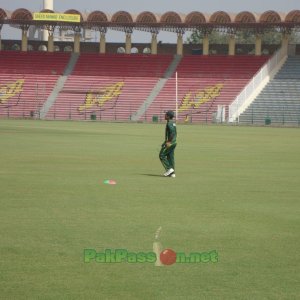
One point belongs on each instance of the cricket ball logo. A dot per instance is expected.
(166, 257)
(163, 257)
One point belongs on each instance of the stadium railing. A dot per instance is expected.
(248, 94)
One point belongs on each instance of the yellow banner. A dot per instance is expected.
(56, 17)
(193, 100)
(102, 96)
(10, 90)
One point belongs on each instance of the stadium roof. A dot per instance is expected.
(170, 19)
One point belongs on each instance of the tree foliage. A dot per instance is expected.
(272, 37)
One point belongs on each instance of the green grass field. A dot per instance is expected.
(236, 191)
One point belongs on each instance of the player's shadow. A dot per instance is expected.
(153, 175)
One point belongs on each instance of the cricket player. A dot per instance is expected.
(166, 154)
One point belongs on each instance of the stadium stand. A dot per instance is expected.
(115, 86)
(279, 101)
(204, 82)
(26, 80)
(108, 87)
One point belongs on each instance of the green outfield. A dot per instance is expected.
(236, 192)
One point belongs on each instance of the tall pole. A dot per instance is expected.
(48, 4)
(176, 105)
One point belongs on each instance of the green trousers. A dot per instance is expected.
(166, 156)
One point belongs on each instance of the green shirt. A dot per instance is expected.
(171, 132)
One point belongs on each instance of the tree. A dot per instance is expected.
(271, 37)
(215, 37)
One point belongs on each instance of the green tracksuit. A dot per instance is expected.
(166, 154)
